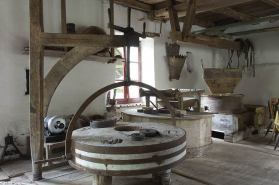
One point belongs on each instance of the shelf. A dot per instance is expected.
(59, 54)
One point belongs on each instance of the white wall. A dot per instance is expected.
(187, 80)
(264, 86)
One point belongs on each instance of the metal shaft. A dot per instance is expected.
(129, 17)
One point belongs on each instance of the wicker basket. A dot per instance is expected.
(176, 64)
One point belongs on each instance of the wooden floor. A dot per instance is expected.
(247, 162)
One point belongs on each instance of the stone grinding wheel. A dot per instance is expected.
(128, 157)
(70, 151)
(94, 30)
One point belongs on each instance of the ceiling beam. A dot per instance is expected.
(233, 14)
(266, 19)
(173, 16)
(202, 6)
(274, 3)
(135, 4)
(86, 40)
(189, 19)
(199, 22)
(205, 41)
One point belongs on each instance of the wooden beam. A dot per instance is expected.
(205, 41)
(135, 4)
(275, 18)
(249, 32)
(73, 40)
(202, 6)
(63, 19)
(274, 3)
(111, 6)
(36, 86)
(173, 16)
(189, 19)
(233, 14)
(62, 68)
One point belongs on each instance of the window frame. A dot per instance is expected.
(127, 98)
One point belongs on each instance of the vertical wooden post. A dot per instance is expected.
(111, 6)
(36, 85)
(147, 99)
(173, 16)
(63, 19)
(101, 180)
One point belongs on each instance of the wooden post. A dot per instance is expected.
(101, 180)
(189, 19)
(63, 19)
(111, 6)
(147, 99)
(173, 16)
(36, 86)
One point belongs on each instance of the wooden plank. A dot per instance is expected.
(173, 16)
(36, 85)
(233, 14)
(218, 28)
(17, 167)
(189, 19)
(111, 6)
(274, 3)
(254, 31)
(205, 41)
(62, 68)
(202, 6)
(135, 4)
(73, 40)
(59, 54)
(199, 22)
(3, 176)
(63, 19)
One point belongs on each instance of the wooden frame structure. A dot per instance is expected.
(42, 89)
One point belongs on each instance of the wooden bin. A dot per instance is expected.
(222, 80)
(259, 114)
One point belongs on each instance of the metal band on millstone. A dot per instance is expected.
(152, 155)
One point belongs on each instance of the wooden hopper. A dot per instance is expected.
(222, 80)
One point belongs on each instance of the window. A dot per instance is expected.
(128, 94)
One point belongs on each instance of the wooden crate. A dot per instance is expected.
(259, 114)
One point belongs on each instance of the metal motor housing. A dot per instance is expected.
(54, 125)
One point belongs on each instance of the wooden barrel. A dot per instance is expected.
(222, 80)
(222, 103)
(111, 152)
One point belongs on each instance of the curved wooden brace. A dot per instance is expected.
(62, 68)
(98, 93)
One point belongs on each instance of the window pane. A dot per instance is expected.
(119, 52)
(119, 71)
(119, 93)
(134, 91)
(134, 71)
(134, 56)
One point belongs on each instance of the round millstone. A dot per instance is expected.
(98, 150)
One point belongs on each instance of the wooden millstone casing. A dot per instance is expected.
(222, 80)
(223, 103)
(152, 155)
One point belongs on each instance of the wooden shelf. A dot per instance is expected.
(59, 54)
